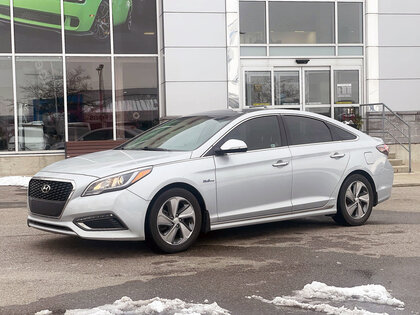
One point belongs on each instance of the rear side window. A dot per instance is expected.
(339, 134)
(303, 130)
(258, 133)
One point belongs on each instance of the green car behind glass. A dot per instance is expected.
(81, 16)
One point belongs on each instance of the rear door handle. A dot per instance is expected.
(337, 155)
(280, 163)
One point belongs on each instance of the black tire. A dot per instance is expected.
(155, 234)
(129, 22)
(101, 27)
(345, 213)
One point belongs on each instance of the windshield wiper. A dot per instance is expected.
(153, 149)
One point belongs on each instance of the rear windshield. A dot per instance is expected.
(182, 134)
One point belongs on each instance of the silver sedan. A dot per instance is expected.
(213, 171)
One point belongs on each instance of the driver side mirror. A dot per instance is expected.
(232, 146)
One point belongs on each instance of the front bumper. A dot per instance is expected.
(129, 208)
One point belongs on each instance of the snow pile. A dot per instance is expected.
(372, 293)
(150, 307)
(316, 290)
(15, 181)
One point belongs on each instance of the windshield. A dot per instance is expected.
(182, 134)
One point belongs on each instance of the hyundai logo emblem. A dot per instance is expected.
(46, 188)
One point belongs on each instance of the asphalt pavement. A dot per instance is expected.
(41, 271)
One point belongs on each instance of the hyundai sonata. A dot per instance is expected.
(213, 171)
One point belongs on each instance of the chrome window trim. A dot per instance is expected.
(72, 182)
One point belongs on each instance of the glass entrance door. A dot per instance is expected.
(330, 91)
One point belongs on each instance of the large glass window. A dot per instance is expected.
(286, 88)
(301, 22)
(258, 88)
(89, 98)
(346, 86)
(37, 26)
(252, 23)
(137, 105)
(7, 124)
(258, 133)
(5, 46)
(135, 27)
(350, 23)
(39, 103)
(303, 130)
(87, 26)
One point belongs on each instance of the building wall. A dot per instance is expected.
(195, 56)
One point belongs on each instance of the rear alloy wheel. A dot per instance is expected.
(355, 201)
(174, 221)
(101, 27)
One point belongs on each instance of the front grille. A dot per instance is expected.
(47, 197)
(32, 15)
(59, 191)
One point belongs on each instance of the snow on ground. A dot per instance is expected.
(15, 181)
(304, 298)
(150, 307)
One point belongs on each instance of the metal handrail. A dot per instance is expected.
(384, 119)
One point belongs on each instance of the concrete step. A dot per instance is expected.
(392, 155)
(401, 169)
(396, 162)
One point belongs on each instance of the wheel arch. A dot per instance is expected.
(371, 181)
(205, 224)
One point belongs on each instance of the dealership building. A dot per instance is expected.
(100, 70)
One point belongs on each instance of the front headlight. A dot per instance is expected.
(115, 182)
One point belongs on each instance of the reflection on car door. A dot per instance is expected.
(318, 163)
(257, 182)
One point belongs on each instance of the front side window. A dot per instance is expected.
(258, 133)
(182, 134)
(303, 130)
(301, 22)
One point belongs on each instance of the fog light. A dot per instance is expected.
(105, 222)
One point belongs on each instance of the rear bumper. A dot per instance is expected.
(384, 178)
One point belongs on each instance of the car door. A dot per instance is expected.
(318, 162)
(257, 182)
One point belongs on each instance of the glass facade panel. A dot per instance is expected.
(258, 88)
(350, 51)
(252, 22)
(301, 22)
(350, 23)
(137, 105)
(7, 123)
(326, 111)
(135, 27)
(302, 51)
(286, 88)
(5, 46)
(39, 103)
(253, 51)
(87, 26)
(89, 98)
(37, 26)
(346, 86)
(349, 116)
(317, 87)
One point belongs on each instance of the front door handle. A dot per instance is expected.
(280, 163)
(337, 155)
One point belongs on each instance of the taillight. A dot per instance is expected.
(383, 148)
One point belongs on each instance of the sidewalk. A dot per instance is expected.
(408, 179)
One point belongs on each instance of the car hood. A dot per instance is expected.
(101, 164)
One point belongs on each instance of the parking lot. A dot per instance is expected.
(46, 271)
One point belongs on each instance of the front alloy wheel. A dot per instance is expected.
(174, 221)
